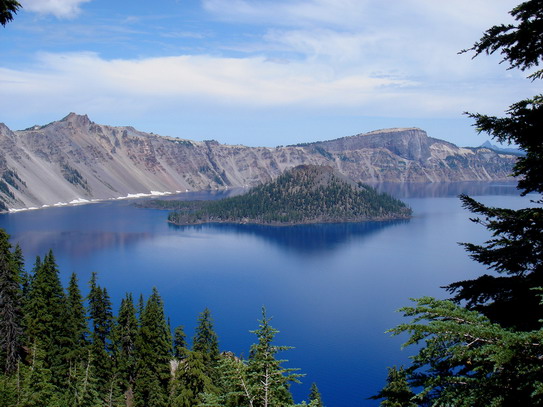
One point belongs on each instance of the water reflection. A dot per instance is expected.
(447, 189)
(76, 244)
(305, 240)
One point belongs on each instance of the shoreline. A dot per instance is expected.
(82, 201)
(281, 224)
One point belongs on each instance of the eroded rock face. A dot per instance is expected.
(75, 159)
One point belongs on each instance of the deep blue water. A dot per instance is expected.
(332, 289)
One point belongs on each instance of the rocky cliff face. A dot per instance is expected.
(76, 160)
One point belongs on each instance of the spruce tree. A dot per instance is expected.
(396, 392)
(45, 316)
(83, 387)
(206, 342)
(101, 317)
(267, 380)
(190, 382)
(515, 251)
(76, 322)
(179, 343)
(154, 353)
(35, 381)
(10, 307)
(125, 334)
(315, 399)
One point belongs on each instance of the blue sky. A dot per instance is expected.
(256, 72)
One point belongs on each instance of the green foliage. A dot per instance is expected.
(315, 396)
(515, 250)
(306, 194)
(76, 322)
(466, 360)
(101, 317)
(179, 343)
(489, 353)
(191, 381)
(396, 392)
(154, 352)
(125, 333)
(45, 312)
(124, 361)
(206, 342)
(10, 306)
(521, 45)
(7, 9)
(267, 380)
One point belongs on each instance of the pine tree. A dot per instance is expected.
(125, 334)
(396, 392)
(83, 388)
(101, 317)
(36, 388)
(179, 343)
(206, 342)
(464, 359)
(77, 318)
(154, 352)
(267, 381)
(45, 314)
(190, 382)
(10, 307)
(315, 399)
(516, 248)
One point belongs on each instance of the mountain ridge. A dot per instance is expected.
(76, 160)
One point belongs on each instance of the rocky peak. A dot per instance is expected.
(77, 120)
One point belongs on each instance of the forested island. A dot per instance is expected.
(302, 195)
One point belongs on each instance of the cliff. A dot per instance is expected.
(76, 160)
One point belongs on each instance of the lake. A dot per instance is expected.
(332, 289)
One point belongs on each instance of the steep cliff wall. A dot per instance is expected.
(75, 159)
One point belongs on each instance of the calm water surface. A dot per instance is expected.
(332, 289)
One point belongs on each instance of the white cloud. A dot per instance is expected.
(58, 8)
(87, 83)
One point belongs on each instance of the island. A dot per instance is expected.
(305, 194)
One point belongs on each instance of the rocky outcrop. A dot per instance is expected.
(77, 160)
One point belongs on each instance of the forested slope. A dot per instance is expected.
(305, 194)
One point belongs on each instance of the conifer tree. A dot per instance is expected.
(190, 382)
(83, 390)
(268, 380)
(36, 388)
(516, 248)
(101, 317)
(10, 307)
(179, 343)
(154, 352)
(45, 314)
(76, 322)
(24, 277)
(125, 334)
(489, 353)
(206, 342)
(315, 396)
(396, 392)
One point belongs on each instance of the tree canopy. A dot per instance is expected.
(485, 347)
(7, 10)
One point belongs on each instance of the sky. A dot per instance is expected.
(257, 72)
